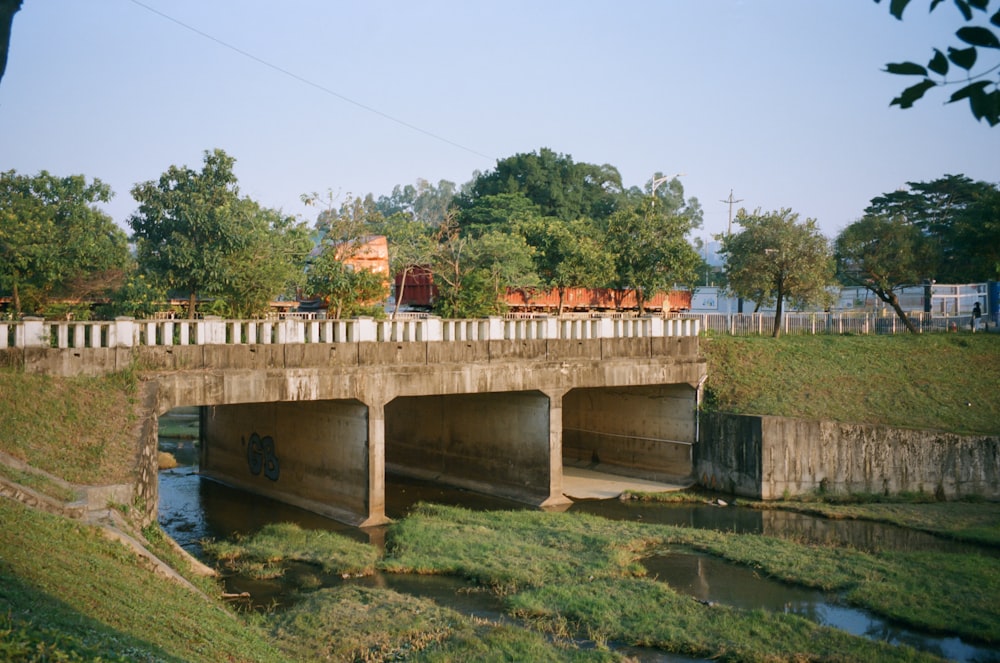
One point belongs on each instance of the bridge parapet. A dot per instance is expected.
(130, 333)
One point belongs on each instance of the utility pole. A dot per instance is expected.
(729, 231)
(730, 200)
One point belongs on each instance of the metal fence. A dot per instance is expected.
(762, 324)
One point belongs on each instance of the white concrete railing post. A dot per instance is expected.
(656, 326)
(494, 329)
(211, 331)
(291, 331)
(604, 328)
(431, 330)
(32, 333)
(125, 332)
(364, 330)
(550, 328)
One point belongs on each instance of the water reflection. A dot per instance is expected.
(859, 534)
(713, 580)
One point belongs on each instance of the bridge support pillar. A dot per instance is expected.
(376, 466)
(556, 495)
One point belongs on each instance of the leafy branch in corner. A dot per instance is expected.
(982, 88)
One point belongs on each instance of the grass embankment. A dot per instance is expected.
(67, 593)
(932, 381)
(79, 429)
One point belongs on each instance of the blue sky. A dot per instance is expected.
(781, 101)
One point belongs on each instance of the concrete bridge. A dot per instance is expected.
(314, 412)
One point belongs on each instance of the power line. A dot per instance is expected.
(730, 200)
(308, 82)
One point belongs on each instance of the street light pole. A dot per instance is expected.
(660, 180)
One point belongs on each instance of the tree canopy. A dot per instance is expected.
(55, 243)
(648, 239)
(196, 235)
(555, 183)
(959, 219)
(980, 32)
(776, 259)
(883, 255)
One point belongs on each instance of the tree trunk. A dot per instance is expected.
(777, 315)
(17, 299)
(562, 292)
(399, 293)
(893, 301)
(192, 303)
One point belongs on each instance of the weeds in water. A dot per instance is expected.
(263, 554)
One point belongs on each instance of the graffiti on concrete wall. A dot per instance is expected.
(261, 456)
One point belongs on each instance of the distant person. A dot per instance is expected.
(977, 316)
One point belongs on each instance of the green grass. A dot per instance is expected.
(68, 591)
(39, 483)
(267, 551)
(932, 381)
(363, 624)
(80, 429)
(577, 574)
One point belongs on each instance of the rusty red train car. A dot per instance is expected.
(585, 300)
(415, 289)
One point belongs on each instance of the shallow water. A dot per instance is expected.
(712, 580)
(193, 508)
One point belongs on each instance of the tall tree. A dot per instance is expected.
(500, 211)
(270, 263)
(568, 254)
(554, 182)
(463, 273)
(648, 239)
(424, 202)
(977, 237)
(54, 241)
(776, 259)
(957, 216)
(190, 224)
(883, 255)
(503, 260)
(979, 88)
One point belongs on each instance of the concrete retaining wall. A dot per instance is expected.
(771, 457)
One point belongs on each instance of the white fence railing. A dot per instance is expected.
(126, 332)
(754, 324)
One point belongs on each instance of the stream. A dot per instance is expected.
(193, 508)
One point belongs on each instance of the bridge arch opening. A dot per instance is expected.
(498, 443)
(645, 432)
(311, 454)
